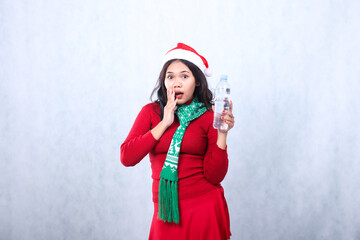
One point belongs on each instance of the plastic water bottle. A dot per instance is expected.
(222, 102)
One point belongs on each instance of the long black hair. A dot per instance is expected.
(202, 92)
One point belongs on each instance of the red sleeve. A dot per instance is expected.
(216, 159)
(140, 141)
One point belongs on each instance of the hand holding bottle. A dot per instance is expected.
(228, 118)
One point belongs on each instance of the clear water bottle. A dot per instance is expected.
(222, 102)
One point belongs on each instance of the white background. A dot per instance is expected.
(74, 75)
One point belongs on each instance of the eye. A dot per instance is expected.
(169, 77)
(185, 76)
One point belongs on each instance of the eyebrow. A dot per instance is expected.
(180, 72)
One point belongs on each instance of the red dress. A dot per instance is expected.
(202, 166)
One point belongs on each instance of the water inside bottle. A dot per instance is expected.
(220, 105)
(222, 93)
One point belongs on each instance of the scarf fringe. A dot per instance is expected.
(168, 201)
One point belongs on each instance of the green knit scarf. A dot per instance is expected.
(168, 194)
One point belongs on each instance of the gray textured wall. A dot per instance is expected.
(74, 75)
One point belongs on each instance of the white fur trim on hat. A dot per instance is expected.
(187, 54)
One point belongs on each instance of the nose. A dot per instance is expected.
(177, 83)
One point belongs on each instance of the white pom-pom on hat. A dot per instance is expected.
(208, 72)
(183, 51)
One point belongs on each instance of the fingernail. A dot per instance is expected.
(223, 111)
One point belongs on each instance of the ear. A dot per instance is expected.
(197, 84)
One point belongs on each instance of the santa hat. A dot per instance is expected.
(183, 51)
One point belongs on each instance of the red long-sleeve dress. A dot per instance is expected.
(202, 166)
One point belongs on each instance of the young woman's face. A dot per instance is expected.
(180, 79)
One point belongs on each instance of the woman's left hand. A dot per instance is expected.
(228, 118)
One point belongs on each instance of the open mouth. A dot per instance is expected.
(179, 95)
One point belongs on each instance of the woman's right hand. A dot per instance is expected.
(169, 114)
(169, 109)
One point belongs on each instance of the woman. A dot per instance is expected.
(188, 156)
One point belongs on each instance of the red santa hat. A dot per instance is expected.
(183, 51)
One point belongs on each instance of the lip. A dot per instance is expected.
(179, 95)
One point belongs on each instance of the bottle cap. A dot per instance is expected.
(223, 77)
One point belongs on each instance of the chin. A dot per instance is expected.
(182, 101)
